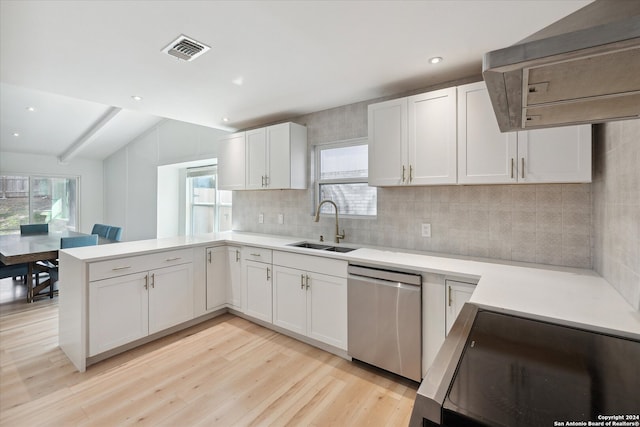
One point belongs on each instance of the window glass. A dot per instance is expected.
(342, 174)
(209, 209)
(38, 200)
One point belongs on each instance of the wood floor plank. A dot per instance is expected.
(227, 372)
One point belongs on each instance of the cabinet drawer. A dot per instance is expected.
(256, 254)
(316, 264)
(135, 264)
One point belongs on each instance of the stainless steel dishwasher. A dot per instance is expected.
(385, 319)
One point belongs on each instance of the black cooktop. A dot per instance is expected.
(519, 372)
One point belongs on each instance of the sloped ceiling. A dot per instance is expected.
(75, 60)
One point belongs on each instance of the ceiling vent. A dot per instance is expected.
(185, 48)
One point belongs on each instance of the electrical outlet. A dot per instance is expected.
(280, 218)
(260, 218)
(426, 230)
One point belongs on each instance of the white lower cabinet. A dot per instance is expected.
(234, 278)
(457, 293)
(257, 280)
(217, 277)
(310, 303)
(125, 308)
(118, 311)
(224, 278)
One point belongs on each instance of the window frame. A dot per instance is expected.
(318, 182)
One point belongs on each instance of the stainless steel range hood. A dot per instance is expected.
(584, 68)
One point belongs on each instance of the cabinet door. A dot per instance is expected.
(387, 143)
(231, 162)
(327, 309)
(278, 157)
(217, 277)
(290, 299)
(258, 282)
(485, 155)
(234, 278)
(170, 296)
(256, 158)
(457, 294)
(118, 311)
(561, 154)
(432, 137)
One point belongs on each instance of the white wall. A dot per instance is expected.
(131, 174)
(89, 171)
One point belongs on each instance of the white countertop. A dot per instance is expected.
(575, 297)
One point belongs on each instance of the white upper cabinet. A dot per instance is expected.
(387, 142)
(486, 156)
(561, 154)
(432, 138)
(412, 141)
(256, 158)
(276, 157)
(231, 162)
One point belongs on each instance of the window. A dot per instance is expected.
(341, 175)
(208, 209)
(38, 200)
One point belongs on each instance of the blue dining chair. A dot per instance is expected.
(34, 229)
(52, 269)
(115, 233)
(101, 230)
(14, 270)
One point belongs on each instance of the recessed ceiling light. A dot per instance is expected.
(238, 81)
(435, 60)
(136, 98)
(31, 109)
(16, 134)
(225, 119)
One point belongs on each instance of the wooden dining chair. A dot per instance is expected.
(52, 267)
(34, 229)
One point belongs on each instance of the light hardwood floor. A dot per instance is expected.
(227, 371)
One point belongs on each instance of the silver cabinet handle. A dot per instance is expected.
(266, 180)
(403, 169)
(172, 259)
(410, 173)
(522, 164)
(512, 161)
(262, 185)
(268, 273)
(302, 281)
(209, 253)
(307, 277)
(450, 297)
(120, 268)
(254, 254)
(237, 255)
(153, 280)
(146, 281)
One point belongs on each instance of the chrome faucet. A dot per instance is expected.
(317, 218)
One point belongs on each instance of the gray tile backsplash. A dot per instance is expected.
(616, 206)
(548, 224)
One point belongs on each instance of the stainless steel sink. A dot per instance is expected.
(309, 245)
(341, 249)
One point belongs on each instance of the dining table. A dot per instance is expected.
(31, 248)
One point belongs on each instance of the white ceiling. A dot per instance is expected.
(74, 60)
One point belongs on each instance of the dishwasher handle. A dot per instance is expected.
(388, 275)
(379, 282)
